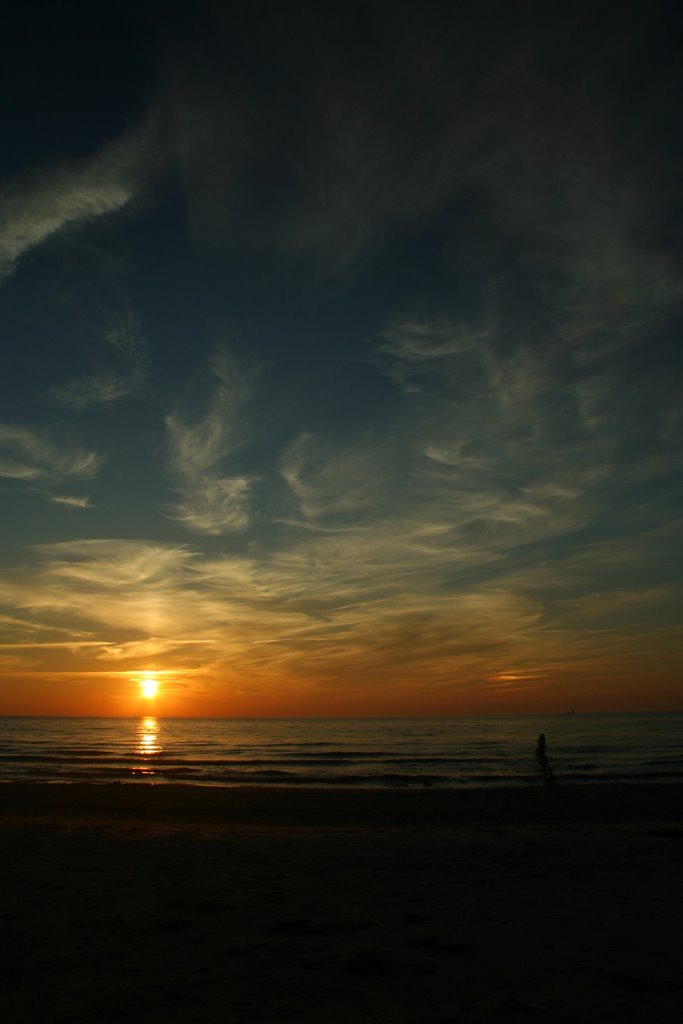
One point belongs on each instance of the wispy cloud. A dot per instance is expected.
(71, 500)
(594, 208)
(113, 564)
(215, 499)
(35, 207)
(335, 486)
(17, 663)
(138, 599)
(33, 455)
(366, 153)
(412, 347)
(474, 514)
(450, 132)
(376, 605)
(358, 603)
(124, 345)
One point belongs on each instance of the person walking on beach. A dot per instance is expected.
(548, 776)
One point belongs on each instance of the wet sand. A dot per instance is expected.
(144, 903)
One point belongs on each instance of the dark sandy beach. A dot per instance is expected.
(143, 903)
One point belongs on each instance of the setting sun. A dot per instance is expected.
(149, 687)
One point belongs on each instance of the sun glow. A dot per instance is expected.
(149, 686)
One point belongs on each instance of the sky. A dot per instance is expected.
(341, 361)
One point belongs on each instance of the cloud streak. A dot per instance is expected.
(376, 606)
(71, 500)
(201, 451)
(125, 345)
(37, 206)
(31, 455)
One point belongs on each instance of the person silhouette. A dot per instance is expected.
(548, 776)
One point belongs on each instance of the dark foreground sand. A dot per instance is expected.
(151, 904)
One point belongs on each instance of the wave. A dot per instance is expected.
(450, 753)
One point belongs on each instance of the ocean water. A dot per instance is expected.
(446, 752)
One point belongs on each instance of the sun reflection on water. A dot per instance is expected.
(148, 742)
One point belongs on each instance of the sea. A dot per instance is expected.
(362, 752)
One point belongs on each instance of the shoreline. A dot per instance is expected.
(315, 806)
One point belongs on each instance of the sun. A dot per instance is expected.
(149, 686)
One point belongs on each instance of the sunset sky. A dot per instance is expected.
(341, 358)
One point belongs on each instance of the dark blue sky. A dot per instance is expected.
(341, 348)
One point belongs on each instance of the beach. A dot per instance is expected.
(181, 903)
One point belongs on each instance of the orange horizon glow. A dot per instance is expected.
(175, 695)
(164, 646)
